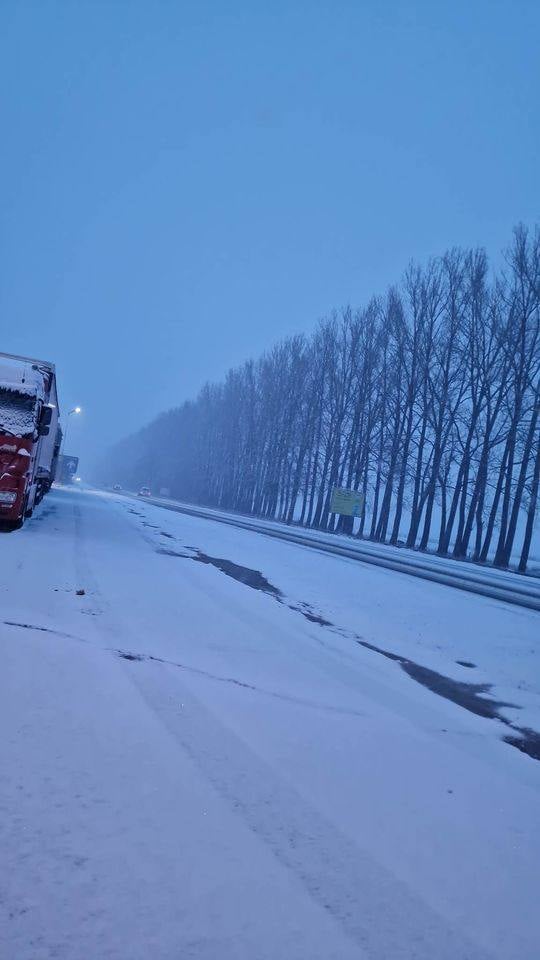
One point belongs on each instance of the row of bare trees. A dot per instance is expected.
(427, 401)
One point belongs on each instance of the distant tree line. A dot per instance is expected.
(427, 401)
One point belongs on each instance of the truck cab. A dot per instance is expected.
(28, 435)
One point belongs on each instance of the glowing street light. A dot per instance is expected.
(75, 410)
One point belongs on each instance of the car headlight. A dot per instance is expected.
(8, 496)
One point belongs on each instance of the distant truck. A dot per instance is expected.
(67, 469)
(30, 435)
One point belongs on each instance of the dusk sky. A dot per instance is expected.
(182, 184)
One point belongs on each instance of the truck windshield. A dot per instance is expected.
(17, 413)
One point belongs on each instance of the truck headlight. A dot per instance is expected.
(8, 496)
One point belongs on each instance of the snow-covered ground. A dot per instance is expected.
(252, 783)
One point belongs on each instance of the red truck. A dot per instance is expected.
(30, 435)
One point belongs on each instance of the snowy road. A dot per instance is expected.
(201, 759)
(473, 578)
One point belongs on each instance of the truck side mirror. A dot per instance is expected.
(46, 416)
(45, 420)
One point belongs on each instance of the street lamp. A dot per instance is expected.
(75, 410)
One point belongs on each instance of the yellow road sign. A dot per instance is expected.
(347, 502)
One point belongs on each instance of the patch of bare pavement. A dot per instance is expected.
(473, 697)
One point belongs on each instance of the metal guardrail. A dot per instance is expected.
(497, 585)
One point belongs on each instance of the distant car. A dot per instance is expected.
(117, 486)
(145, 492)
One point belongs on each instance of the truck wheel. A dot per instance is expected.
(7, 526)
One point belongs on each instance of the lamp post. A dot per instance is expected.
(70, 412)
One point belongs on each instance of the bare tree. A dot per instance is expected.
(427, 402)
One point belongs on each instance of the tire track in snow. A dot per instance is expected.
(288, 698)
(373, 907)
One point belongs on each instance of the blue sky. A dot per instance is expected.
(183, 183)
